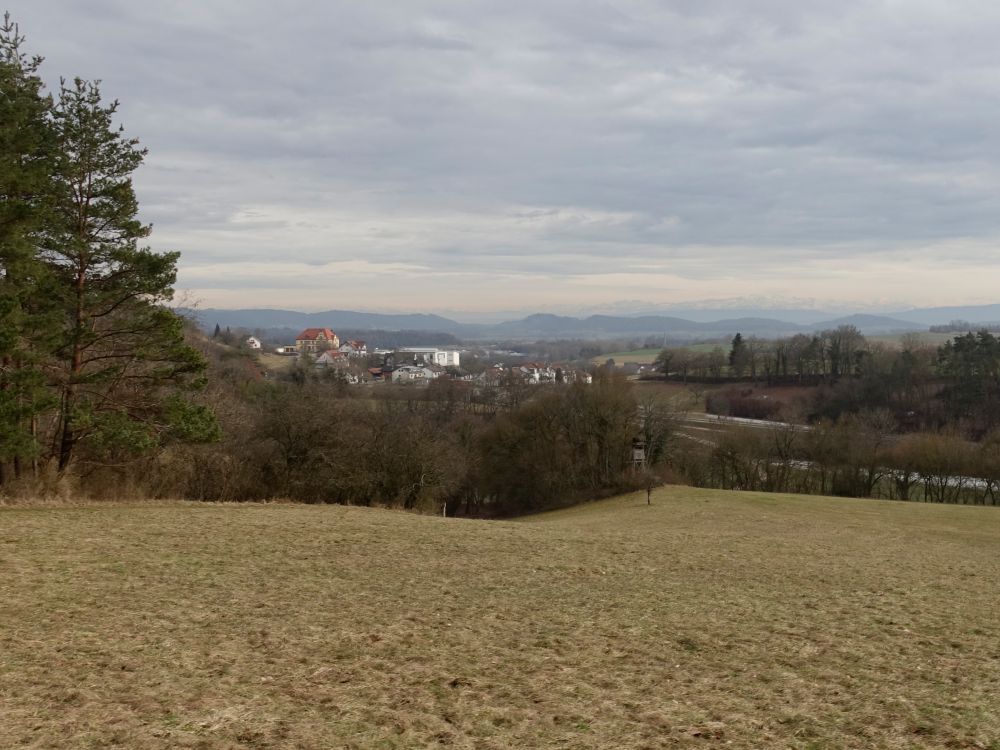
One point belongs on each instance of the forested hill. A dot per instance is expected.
(538, 326)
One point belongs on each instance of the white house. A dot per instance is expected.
(536, 373)
(354, 348)
(432, 355)
(253, 342)
(412, 374)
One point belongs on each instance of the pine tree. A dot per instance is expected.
(121, 357)
(26, 147)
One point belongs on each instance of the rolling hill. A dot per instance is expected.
(705, 619)
(539, 326)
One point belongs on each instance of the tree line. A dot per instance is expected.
(923, 387)
(857, 456)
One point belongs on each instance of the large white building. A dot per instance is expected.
(431, 355)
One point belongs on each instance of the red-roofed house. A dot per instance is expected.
(314, 340)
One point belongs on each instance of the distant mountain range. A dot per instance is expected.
(933, 316)
(546, 326)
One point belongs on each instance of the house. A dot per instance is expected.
(354, 348)
(314, 340)
(288, 351)
(253, 342)
(536, 373)
(412, 374)
(332, 358)
(430, 356)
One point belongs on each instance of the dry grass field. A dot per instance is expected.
(636, 356)
(275, 362)
(678, 396)
(707, 620)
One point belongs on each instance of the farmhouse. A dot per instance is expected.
(253, 342)
(314, 340)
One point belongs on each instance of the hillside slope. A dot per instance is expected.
(705, 619)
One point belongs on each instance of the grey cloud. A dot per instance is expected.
(822, 131)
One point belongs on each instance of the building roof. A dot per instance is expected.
(313, 334)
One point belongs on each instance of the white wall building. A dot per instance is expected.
(412, 374)
(431, 355)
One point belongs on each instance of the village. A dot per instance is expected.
(356, 364)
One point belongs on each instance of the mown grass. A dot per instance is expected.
(707, 619)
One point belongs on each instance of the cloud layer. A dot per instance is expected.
(478, 155)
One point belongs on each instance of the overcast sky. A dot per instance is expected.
(555, 154)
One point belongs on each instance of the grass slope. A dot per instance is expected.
(707, 619)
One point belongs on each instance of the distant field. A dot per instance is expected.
(709, 619)
(637, 356)
(926, 337)
(678, 396)
(646, 356)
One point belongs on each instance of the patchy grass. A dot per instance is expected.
(678, 396)
(648, 356)
(707, 619)
(636, 356)
(275, 362)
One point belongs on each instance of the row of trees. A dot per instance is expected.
(834, 353)
(956, 385)
(858, 456)
(93, 367)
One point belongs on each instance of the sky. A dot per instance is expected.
(472, 156)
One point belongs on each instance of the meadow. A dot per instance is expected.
(705, 619)
(634, 356)
(648, 356)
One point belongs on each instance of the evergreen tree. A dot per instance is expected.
(26, 141)
(739, 355)
(121, 356)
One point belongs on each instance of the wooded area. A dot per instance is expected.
(94, 369)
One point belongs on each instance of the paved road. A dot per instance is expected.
(706, 424)
(692, 417)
